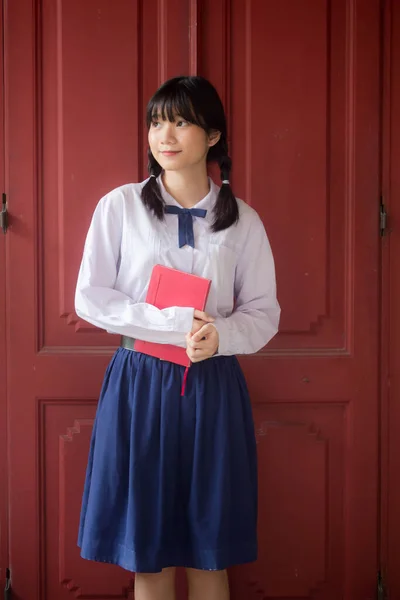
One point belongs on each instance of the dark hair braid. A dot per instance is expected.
(226, 210)
(151, 194)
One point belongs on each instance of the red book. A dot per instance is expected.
(170, 287)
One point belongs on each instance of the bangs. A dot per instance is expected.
(171, 100)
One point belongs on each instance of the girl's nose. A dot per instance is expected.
(168, 133)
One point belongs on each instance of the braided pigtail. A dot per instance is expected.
(226, 210)
(151, 194)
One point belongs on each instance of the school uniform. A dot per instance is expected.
(172, 480)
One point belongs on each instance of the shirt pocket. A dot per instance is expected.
(138, 256)
(221, 270)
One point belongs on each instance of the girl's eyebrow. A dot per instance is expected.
(158, 117)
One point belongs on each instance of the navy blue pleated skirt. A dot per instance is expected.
(171, 480)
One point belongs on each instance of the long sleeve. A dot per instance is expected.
(255, 319)
(96, 300)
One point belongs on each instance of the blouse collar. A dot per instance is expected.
(206, 203)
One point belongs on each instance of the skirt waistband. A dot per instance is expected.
(128, 342)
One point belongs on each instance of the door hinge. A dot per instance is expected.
(383, 217)
(7, 589)
(381, 592)
(4, 214)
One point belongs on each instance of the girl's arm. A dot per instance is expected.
(98, 303)
(255, 319)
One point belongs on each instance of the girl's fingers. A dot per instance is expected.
(197, 344)
(197, 355)
(202, 316)
(203, 344)
(197, 324)
(205, 331)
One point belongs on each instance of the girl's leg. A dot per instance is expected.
(212, 585)
(155, 586)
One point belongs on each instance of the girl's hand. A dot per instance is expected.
(200, 319)
(203, 344)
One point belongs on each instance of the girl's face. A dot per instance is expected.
(179, 145)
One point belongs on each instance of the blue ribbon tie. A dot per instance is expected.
(185, 222)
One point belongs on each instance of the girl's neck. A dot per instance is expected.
(186, 187)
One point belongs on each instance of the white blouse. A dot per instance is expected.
(125, 240)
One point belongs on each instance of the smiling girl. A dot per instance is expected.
(172, 481)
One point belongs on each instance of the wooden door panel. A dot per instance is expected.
(301, 454)
(291, 123)
(94, 140)
(302, 95)
(64, 444)
(90, 143)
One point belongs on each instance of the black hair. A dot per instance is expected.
(197, 101)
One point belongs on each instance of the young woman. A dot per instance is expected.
(171, 480)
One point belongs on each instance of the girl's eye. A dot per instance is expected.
(181, 123)
(155, 123)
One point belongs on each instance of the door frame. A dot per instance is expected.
(389, 489)
(384, 294)
(3, 321)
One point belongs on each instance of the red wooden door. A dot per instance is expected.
(391, 303)
(301, 84)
